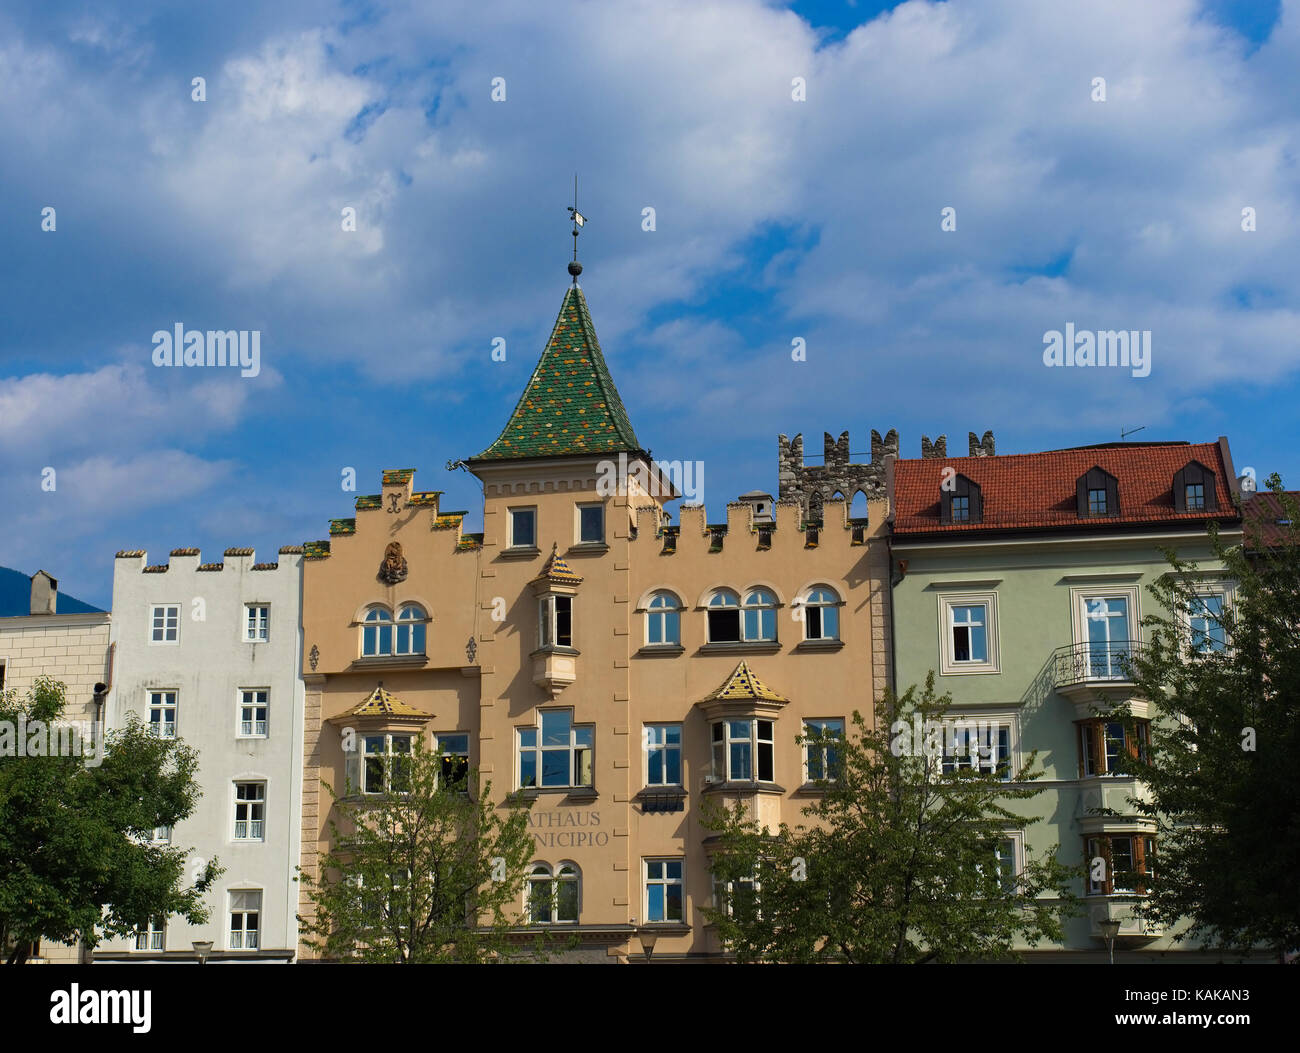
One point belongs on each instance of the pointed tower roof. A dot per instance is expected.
(570, 405)
(743, 686)
(380, 703)
(557, 570)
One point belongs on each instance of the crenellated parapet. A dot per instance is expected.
(813, 486)
(187, 559)
(788, 528)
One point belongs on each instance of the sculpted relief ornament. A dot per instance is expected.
(393, 568)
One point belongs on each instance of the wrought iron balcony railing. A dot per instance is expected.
(1085, 663)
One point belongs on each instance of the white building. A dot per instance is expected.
(211, 653)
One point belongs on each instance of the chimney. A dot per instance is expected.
(45, 593)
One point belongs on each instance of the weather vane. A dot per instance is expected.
(575, 268)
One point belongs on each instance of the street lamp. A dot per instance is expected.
(648, 938)
(1109, 930)
(202, 948)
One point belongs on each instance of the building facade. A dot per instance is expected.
(614, 667)
(1022, 582)
(71, 647)
(209, 653)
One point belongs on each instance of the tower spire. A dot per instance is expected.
(575, 268)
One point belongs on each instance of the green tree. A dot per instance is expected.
(899, 864)
(426, 872)
(76, 862)
(1220, 770)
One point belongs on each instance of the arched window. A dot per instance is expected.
(553, 896)
(821, 616)
(724, 617)
(760, 616)
(662, 620)
(377, 636)
(410, 629)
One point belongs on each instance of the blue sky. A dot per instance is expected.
(776, 219)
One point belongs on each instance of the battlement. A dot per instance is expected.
(182, 559)
(789, 528)
(976, 446)
(812, 486)
(397, 496)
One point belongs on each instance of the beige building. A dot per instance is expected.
(71, 647)
(616, 667)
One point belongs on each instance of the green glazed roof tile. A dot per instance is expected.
(570, 405)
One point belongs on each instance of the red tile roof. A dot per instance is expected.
(1036, 491)
(1265, 519)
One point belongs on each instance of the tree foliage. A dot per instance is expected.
(76, 858)
(898, 863)
(426, 872)
(1220, 769)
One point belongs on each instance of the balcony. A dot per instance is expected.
(1134, 929)
(1081, 671)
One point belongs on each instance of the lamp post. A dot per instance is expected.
(202, 948)
(1109, 930)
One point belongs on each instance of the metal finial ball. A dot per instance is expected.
(575, 268)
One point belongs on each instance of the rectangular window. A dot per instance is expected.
(245, 919)
(162, 713)
(555, 621)
(1195, 496)
(254, 707)
(969, 636)
(166, 624)
(960, 509)
(822, 757)
(558, 753)
(978, 745)
(250, 811)
(454, 762)
(257, 622)
(386, 764)
(743, 750)
(663, 890)
(591, 524)
(162, 835)
(1120, 863)
(153, 937)
(1109, 645)
(663, 754)
(1097, 502)
(1006, 863)
(1104, 743)
(1205, 620)
(523, 528)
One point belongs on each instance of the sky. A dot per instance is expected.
(798, 159)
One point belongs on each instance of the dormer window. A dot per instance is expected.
(1097, 493)
(962, 501)
(1194, 489)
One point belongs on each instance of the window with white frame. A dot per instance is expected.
(165, 623)
(453, 749)
(738, 897)
(977, 745)
(153, 937)
(380, 637)
(377, 632)
(1206, 631)
(663, 754)
(1006, 861)
(821, 614)
(743, 750)
(250, 811)
(663, 620)
(245, 919)
(591, 524)
(386, 763)
(969, 642)
(556, 753)
(555, 620)
(257, 622)
(553, 897)
(758, 617)
(1105, 630)
(821, 751)
(1120, 863)
(254, 709)
(162, 714)
(162, 835)
(523, 528)
(724, 617)
(410, 637)
(664, 899)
